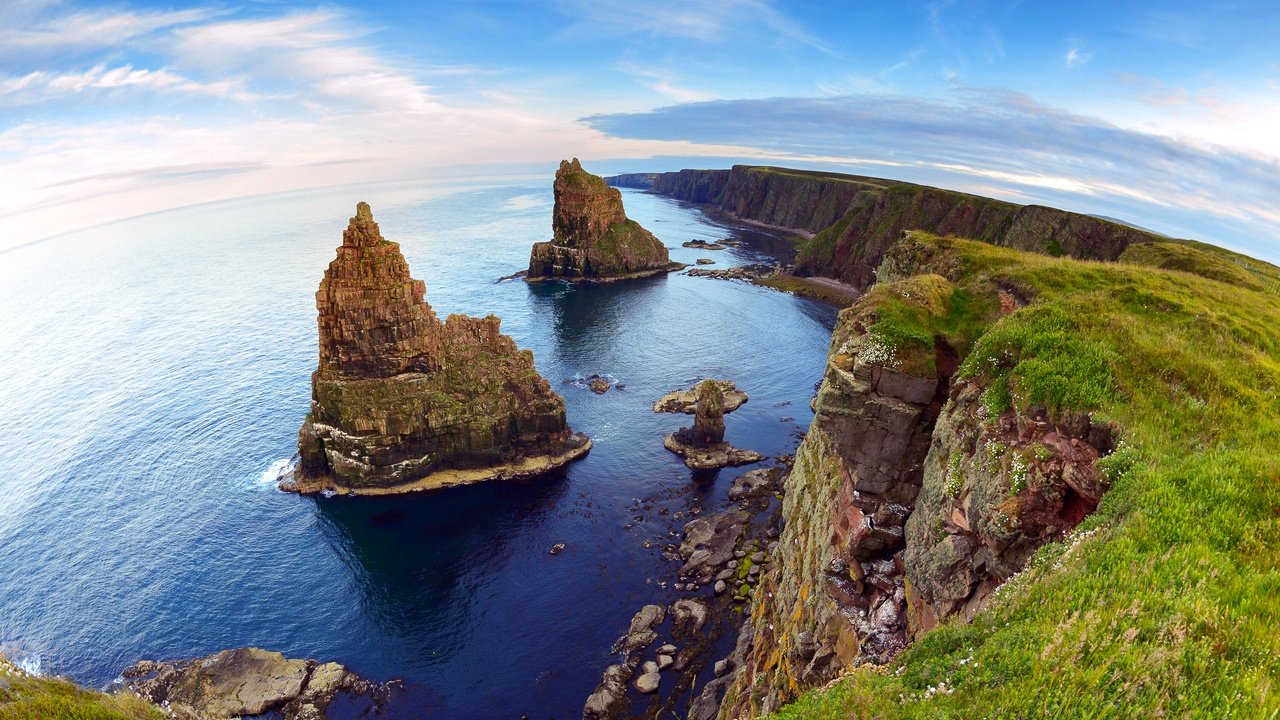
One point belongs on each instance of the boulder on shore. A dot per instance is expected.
(592, 237)
(243, 682)
(401, 401)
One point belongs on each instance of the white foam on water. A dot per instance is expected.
(273, 474)
(28, 662)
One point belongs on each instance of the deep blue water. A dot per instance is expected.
(155, 370)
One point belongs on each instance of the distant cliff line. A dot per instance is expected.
(854, 219)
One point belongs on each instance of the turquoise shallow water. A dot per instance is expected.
(157, 369)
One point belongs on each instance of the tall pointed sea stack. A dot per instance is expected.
(593, 238)
(401, 401)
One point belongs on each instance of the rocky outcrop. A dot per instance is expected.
(249, 681)
(592, 237)
(702, 446)
(686, 401)
(857, 218)
(401, 401)
(911, 499)
(994, 491)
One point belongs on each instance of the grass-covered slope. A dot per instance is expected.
(1166, 601)
(27, 697)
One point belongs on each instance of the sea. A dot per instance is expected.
(154, 374)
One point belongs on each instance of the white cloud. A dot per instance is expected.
(41, 86)
(87, 29)
(707, 21)
(1075, 58)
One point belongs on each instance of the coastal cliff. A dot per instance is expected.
(402, 401)
(850, 221)
(984, 513)
(593, 239)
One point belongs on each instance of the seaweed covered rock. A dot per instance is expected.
(592, 237)
(401, 401)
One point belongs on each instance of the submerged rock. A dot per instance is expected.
(592, 237)
(245, 681)
(401, 401)
(605, 702)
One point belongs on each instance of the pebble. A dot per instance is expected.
(557, 548)
(665, 661)
(667, 649)
(725, 574)
(649, 667)
(739, 554)
(722, 667)
(759, 557)
(720, 587)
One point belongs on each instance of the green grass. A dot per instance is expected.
(1166, 602)
(23, 697)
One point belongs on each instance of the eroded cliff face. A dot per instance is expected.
(400, 398)
(857, 219)
(916, 492)
(593, 238)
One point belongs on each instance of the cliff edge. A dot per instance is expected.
(1028, 491)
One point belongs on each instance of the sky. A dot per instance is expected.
(1164, 114)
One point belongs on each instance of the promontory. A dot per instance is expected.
(401, 401)
(593, 239)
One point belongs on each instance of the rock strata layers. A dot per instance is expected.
(593, 239)
(401, 401)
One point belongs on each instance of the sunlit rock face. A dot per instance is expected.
(592, 237)
(401, 400)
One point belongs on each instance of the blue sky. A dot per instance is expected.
(1162, 113)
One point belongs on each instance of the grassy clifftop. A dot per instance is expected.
(26, 697)
(1166, 601)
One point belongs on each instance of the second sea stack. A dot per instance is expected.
(401, 401)
(593, 237)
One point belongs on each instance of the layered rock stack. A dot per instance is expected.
(708, 416)
(401, 401)
(702, 446)
(592, 237)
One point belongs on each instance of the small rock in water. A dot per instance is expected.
(720, 587)
(665, 661)
(599, 385)
(557, 548)
(721, 667)
(759, 557)
(648, 682)
(706, 261)
(667, 649)
(739, 554)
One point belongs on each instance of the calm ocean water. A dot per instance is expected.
(156, 370)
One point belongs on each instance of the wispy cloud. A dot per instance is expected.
(707, 21)
(1075, 57)
(999, 138)
(661, 80)
(98, 28)
(40, 86)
